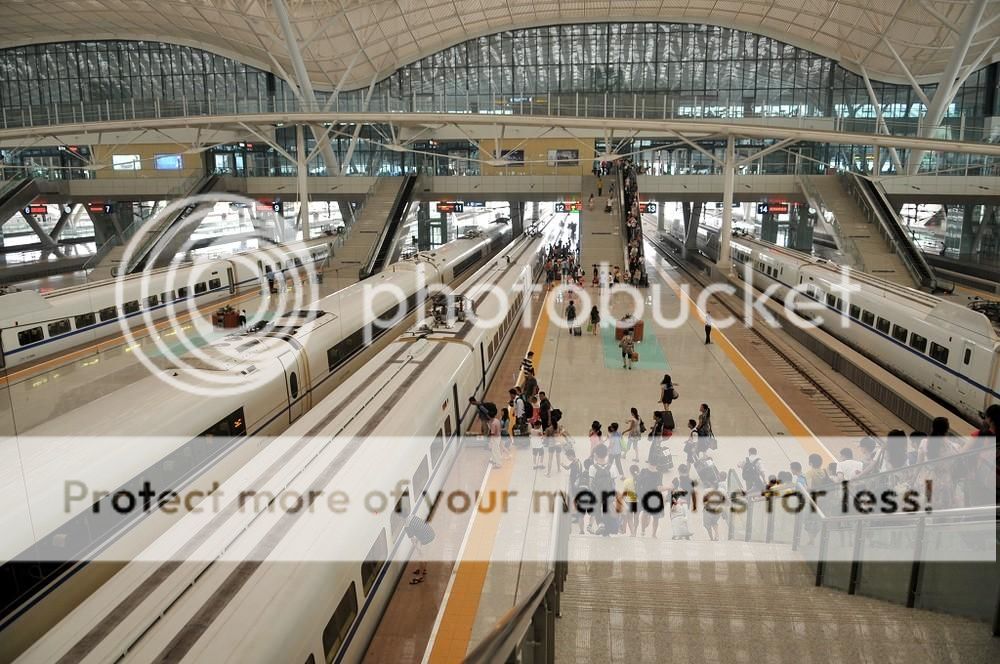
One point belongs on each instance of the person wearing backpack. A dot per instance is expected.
(602, 484)
(668, 391)
(577, 485)
(752, 472)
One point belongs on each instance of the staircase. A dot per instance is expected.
(697, 603)
(365, 232)
(853, 228)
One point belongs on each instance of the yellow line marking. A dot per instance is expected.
(459, 613)
(792, 422)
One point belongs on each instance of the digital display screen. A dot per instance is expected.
(564, 157)
(513, 156)
(100, 208)
(567, 206)
(772, 208)
(126, 162)
(37, 208)
(168, 162)
(450, 206)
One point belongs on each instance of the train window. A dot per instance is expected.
(297, 261)
(108, 313)
(831, 300)
(152, 301)
(882, 325)
(215, 283)
(420, 477)
(968, 356)
(182, 292)
(840, 305)
(200, 288)
(332, 358)
(340, 624)
(30, 336)
(855, 312)
(899, 333)
(165, 297)
(59, 327)
(373, 562)
(83, 320)
(400, 513)
(437, 447)
(867, 317)
(293, 385)
(918, 342)
(130, 307)
(939, 353)
(231, 425)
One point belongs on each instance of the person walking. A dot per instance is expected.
(243, 318)
(595, 319)
(633, 432)
(615, 448)
(631, 497)
(708, 328)
(496, 449)
(628, 349)
(668, 391)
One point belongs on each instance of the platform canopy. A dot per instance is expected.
(350, 42)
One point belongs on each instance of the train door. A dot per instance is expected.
(296, 385)
(232, 279)
(1, 350)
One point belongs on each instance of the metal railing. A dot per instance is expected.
(594, 105)
(527, 632)
(844, 550)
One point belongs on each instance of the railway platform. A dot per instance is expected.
(639, 599)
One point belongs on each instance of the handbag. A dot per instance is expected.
(590, 327)
(635, 356)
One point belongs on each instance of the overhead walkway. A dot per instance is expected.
(368, 235)
(857, 237)
(600, 232)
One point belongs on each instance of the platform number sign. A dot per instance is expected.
(563, 207)
(100, 208)
(647, 208)
(772, 208)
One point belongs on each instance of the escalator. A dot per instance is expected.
(380, 255)
(871, 195)
(15, 195)
(162, 242)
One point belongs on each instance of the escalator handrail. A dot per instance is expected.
(396, 214)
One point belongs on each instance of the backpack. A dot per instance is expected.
(602, 478)
(529, 410)
(752, 476)
(491, 408)
(642, 426)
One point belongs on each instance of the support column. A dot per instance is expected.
(64, 216)
(728, 181)
(302, 172)
(423, 226)
(43, 237)
(659, 218)
(800, 228)
(517, 217)
(769, 228)
(692, 218)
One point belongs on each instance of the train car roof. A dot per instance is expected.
(13, 305)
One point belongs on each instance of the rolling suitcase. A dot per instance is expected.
(638, 331)
(707, 472)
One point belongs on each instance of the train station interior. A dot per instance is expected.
(482, 331)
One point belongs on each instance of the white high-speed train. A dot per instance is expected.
(290, 580)
(950, 351)
(34, 326)
(151, 433)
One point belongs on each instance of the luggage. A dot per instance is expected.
(707, 472)
(679, 528)
(668, 420)
(576, 331)
(635, 356)
(637, 331)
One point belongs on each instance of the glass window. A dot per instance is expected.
(400, 513)
(130, 307)
(373, 562)
(215, 283)
(899, 333)
(152, 301)
(108, 313)
(293, 385)
(967, 357)
(59, 327)
(918, 342)
(882, 325)
(332, 358)
(182, 292)
(867, 317)
(340, 623)
(200, 288)
(83, 320)
(855, 311)
(420, 477)
(126, 162)
(437, 447)
(939, 353)
(30, 336)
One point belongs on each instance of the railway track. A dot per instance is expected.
(843, 411)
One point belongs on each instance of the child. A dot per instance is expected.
(537, 444)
